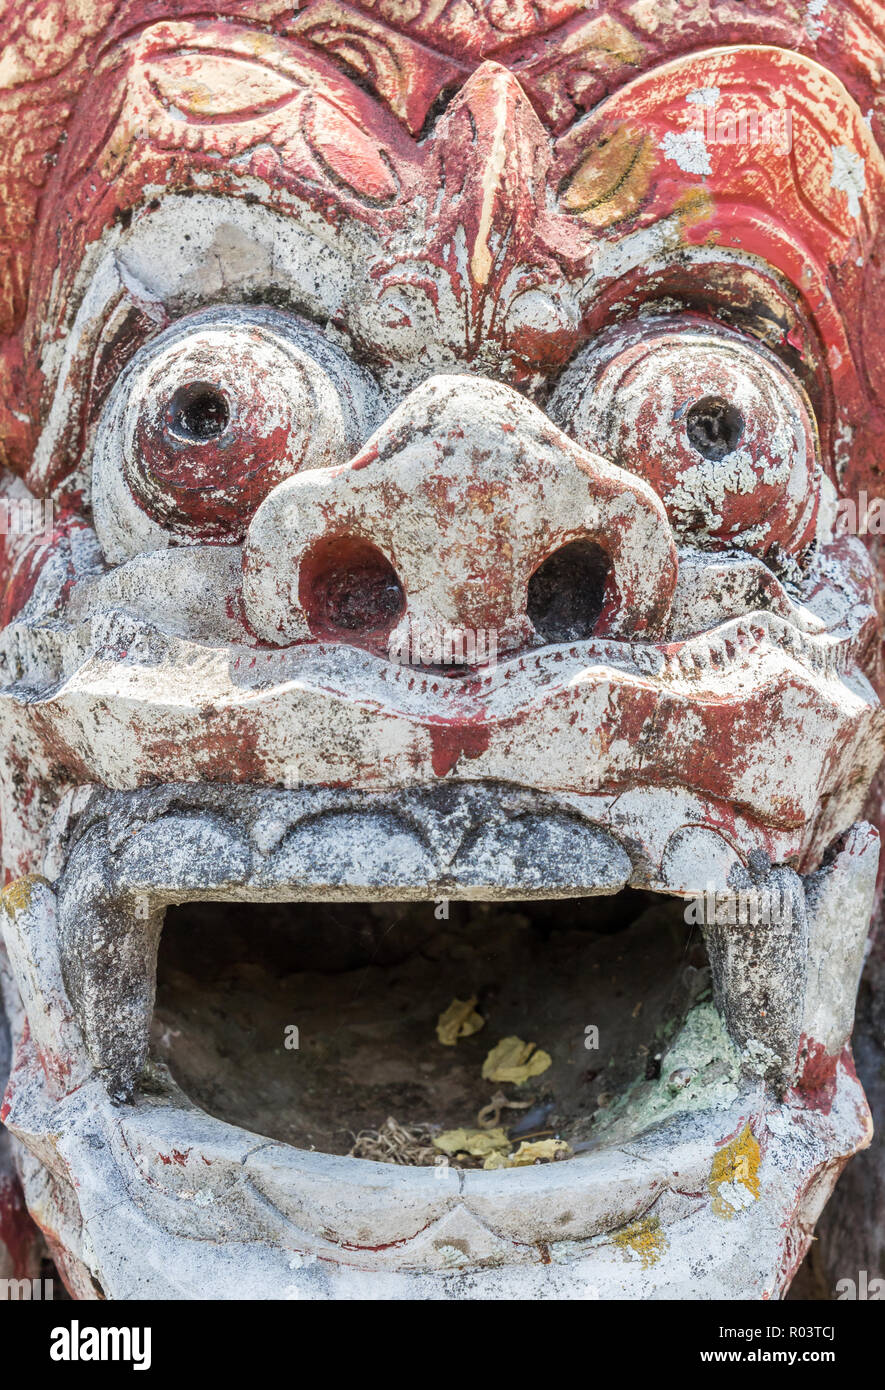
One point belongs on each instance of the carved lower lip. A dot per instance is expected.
(220, 1209)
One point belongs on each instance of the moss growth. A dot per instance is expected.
(645, 1238)
(699, 1071)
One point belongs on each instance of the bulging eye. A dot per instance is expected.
(716, 426)
(210, 416)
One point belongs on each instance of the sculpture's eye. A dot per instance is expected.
(209, 417)
(717, 427)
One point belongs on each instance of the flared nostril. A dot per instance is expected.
(567, 593)
(348, 588)
(494, 520)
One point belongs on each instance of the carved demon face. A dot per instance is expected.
(441, 417)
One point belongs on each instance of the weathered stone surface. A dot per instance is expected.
(438, 445)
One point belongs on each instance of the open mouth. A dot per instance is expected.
(319, 1024)
(331, 930)
(245, 1022)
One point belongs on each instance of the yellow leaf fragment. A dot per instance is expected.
(515, 1061)
(459, 1020)
(533, 1151)
(479, 1143)
(495, 1160)
(537, 1151)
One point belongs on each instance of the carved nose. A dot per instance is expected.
(467, 511)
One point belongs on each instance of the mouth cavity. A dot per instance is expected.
(318, 1025)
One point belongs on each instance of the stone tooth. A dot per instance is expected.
(109, 960)
(370, 851)
(686, 661)
(539, 854)
(701, 656)
(840, 900)
(760, 970)
(111, 904)
(697, 858)
(673, 668)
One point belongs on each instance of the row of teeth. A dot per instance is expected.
(704, 653)
(40, 656)
(824, 655)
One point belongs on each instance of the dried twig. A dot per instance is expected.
(489, 1116)
(408, 1145)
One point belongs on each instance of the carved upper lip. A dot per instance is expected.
(127, 703)
(144, 674)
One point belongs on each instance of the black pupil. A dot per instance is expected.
(714, 427)
(198, 412)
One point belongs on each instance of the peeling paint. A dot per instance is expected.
(333, 333)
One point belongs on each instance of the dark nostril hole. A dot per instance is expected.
(567, 592)
(197, 412)
(366, 597)
(349, 588)
(714, 427)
